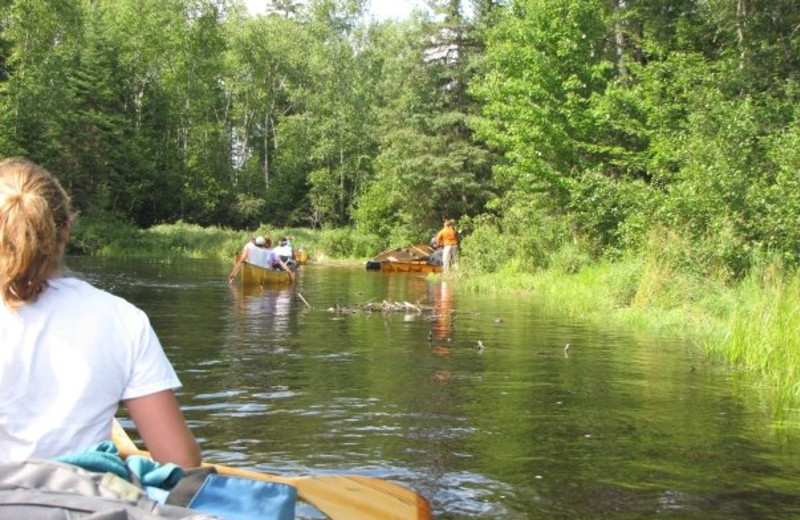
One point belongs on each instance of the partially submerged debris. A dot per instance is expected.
(384, 306)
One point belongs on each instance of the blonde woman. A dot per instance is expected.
(70, 352)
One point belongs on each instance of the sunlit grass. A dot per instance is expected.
(623, 291)
(763, 335)
(182, 240)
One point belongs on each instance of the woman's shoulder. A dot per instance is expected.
(72, 289)
(73, 283)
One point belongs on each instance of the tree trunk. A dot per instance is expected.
(266, 150)
(619, 37)
(741, 13)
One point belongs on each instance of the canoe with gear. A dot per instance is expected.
(421, 258)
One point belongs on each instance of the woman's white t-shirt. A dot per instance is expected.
(66, 361)
(260, 256)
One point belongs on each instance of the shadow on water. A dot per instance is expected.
(471, 399)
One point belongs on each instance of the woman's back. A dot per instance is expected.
(261, 256)
(70, 353)
(78, 351)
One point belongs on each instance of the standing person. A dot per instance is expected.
(71, 352)
(447, 238)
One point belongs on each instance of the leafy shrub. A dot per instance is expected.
(348, 243)
(610, 210)
(486, 249)
(92, 233)
(377, 210)
(782, 197)
(569, 258)
(247, 209)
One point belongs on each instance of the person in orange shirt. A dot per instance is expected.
(448, 238)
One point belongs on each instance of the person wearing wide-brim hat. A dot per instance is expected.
(448, 239)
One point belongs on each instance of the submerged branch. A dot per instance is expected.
(384, 306)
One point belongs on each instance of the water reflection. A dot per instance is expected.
(261, 313)
(441, 294)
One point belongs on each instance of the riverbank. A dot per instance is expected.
(752, 324)
(182, 240)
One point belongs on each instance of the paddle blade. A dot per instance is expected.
(370, 498)
(351, 497)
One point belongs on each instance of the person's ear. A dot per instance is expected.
(66, 231)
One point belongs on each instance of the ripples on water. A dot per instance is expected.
(616, 426)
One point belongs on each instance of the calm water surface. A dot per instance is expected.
(617, 426)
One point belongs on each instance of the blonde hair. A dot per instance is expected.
(35, 217)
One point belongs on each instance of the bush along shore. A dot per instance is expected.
(751, 324)
(112, 238)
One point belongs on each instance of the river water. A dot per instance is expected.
(308, 380)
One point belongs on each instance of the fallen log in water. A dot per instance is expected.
(384, 306)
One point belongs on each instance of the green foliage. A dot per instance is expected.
(247, 210)
(715, 196)
(782, 197)
(110, 235)
(347, 243)
(92, 233)
(570, 258)
(526, 239)
(266, 65)
(378, 210)
(546, 60)
(429, 166)
(554, 131)
(181, 240)
(613, 214)
(485, 250)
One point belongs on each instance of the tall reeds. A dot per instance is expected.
(764, 336)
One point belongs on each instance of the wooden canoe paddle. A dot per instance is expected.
(340, 497)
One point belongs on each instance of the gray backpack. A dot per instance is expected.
(48, 490)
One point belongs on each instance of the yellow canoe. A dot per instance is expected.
(255, 275)
(412, 259)
(408, 267)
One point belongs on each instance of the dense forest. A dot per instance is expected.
(595, 127)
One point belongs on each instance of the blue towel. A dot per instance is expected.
(152, 474)
(104, 457)
(100, 458)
